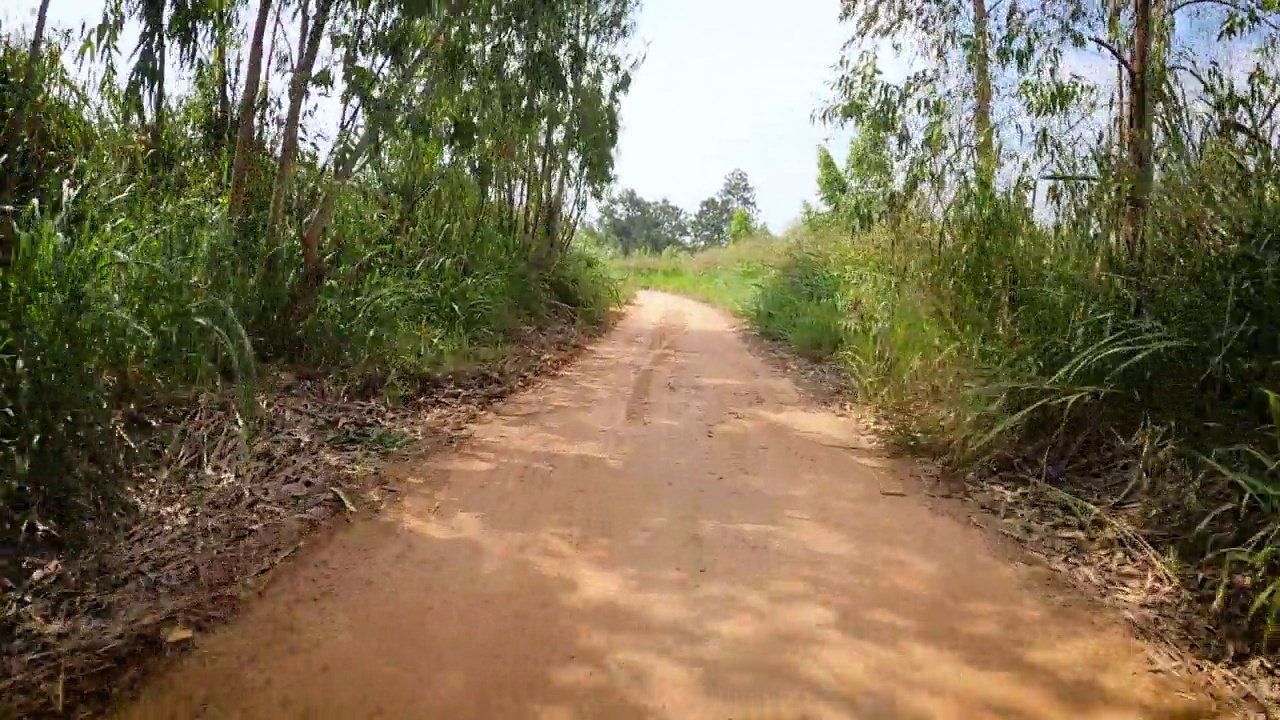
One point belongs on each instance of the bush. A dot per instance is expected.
(1017, 346)
(131, 290)
(804, 304)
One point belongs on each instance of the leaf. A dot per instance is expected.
(343, 497)
(178, 633)
(323, 79)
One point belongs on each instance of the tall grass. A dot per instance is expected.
(1013, 347)
(130, 290)
(726, 276)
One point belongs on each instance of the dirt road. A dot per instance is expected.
(667, 530)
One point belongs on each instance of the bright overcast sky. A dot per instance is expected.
(726, 84)
(730, 84)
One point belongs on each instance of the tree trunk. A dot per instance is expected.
(554, 224)
(224, 80)
(1119, 146)
(157, 106)
(1114, 35)
(982, 93)
(544, 183)
(244, 142)
(263, 104)
(153, 32)
(309, 37)
(1161, 35)
(19, 127)
(323, 213)
(1139, 134)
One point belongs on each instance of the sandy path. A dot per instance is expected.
(665, 531)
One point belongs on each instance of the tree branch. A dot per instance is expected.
(1115, 53)
(1071, 178)
(1192, 72)
(1239, 127)
(1188, 3)
(1238, 7)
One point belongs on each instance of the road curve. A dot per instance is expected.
(666, 530)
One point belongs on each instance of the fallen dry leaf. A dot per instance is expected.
(178, 633)
(346, 502)
(218, 505)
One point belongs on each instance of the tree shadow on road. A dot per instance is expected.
(582, 557)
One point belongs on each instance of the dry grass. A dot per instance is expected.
(226, 498)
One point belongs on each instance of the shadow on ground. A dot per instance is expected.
(666, 531)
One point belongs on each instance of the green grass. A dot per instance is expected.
(728, 277)
(1010, 350)
(131, 289)
(828, 298)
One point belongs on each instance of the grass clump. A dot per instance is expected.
(727, 277)
(141, 265)
(1034, 353)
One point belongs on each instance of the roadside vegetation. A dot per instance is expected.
(715, 253)
(231, 249)
(728, 277)
(1061, 282)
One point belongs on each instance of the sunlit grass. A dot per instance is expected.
(727, 277)
(1004, 349)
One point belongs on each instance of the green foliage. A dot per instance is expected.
(724, 276)
(710, 225)
(801, 304)
(860, 195)
(635, 224)
(1017, 347)
(441, 232)
(1063, 276)
(1084, 259)
(832, 183)
(740, 225)
(56, 124)
(738, 194)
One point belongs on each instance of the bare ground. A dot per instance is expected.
(669, 529)
(220, 498)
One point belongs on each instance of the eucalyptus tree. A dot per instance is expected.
(953, 38)
(535, 91)
(312, 27)
(738, 193)
(635, 223)
(245, 136)
(523, 95)
(861, 193)
(17, 133)
(389, 60)
(1162, 53)
(188, 27)
(710, 224)
(984, 75)
(560, 115)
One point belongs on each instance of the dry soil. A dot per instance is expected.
(667, 530)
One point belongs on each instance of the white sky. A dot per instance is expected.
(730, 84)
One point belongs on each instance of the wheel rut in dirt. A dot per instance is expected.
(667, 530)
